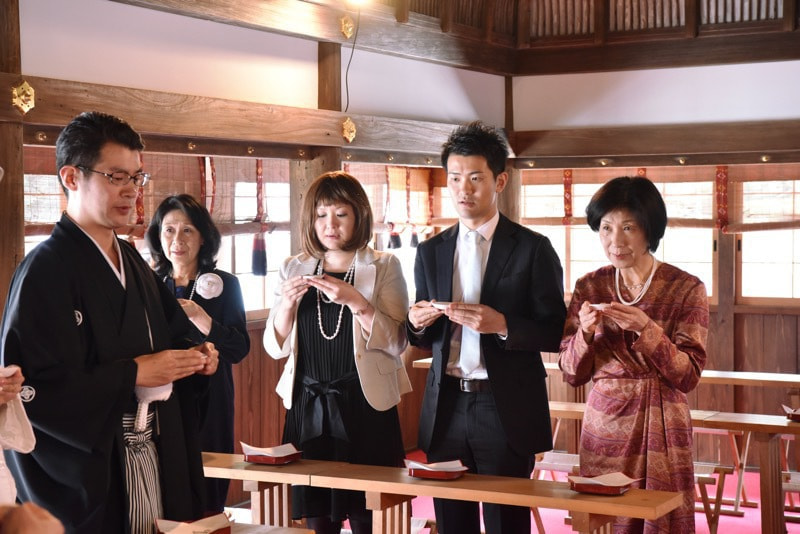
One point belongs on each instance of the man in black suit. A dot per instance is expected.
(485, 395)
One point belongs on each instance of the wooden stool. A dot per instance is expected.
(739, 465)
(791, 484)
(703, 477)
(553, 462)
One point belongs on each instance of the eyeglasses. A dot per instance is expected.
(122, 177)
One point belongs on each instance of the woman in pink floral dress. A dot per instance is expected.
(637, 329)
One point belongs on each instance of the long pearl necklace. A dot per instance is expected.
(348, 279)
(645, 287)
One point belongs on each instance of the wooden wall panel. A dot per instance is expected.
(259, 412)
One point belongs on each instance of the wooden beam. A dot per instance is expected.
(329, 76)
(38, 135)
(664, 52)
(421, 39)
(193, 117)
(755, 137)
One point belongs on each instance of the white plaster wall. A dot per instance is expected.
(727, 93)
(391, 86)
(104, 42)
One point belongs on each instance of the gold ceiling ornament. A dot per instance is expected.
(349, 130)
(347, 26)
(23, 97)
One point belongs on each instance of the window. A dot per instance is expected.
(240, 208)
(770, 259)
(688, 242)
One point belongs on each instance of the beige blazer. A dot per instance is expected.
(378, 357)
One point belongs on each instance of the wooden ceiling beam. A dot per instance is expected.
(421, 39)
(186, 116)
(762, 138)
(664, 52)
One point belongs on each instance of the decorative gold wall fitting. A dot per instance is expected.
(347, 26)
(349, 130)
(23, 97)
(251, 150)
(41, 136)
(191, 146)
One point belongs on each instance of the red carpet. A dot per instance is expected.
(553, 520)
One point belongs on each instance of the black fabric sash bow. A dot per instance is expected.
(324, 399)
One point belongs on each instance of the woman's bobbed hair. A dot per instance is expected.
(637, 195)
(336, 187)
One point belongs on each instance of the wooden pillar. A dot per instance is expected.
(301, 174)
(508, 202)
(12, 236)
(329, 76)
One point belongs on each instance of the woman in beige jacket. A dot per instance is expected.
(338, 319)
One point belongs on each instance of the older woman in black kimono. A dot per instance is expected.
(184, 243)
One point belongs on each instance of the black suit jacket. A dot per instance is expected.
(523, 281)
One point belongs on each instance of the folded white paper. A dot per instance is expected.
(281, 450)
(617, 479)
(15, 429)
(450, 466)
(790, 411)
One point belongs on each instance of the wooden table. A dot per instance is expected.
(708, 377)
(389, 491)
(270, 498)
(765, 429)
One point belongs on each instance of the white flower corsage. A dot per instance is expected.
(208, 285)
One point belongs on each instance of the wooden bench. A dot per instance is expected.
(569, 464)
(389, 491)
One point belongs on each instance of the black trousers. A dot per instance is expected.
(468, 428)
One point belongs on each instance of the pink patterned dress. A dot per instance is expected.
(637, 418)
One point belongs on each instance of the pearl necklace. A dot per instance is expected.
(194, 285)
(645, 286)
(349, 276)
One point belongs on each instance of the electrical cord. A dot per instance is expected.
(347, 70)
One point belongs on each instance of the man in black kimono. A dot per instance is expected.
(96, 333)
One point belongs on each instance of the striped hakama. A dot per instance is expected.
(142, 476)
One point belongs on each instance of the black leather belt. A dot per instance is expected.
(467, 385)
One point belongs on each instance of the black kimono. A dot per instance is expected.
(74, 331)
(229, 335)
